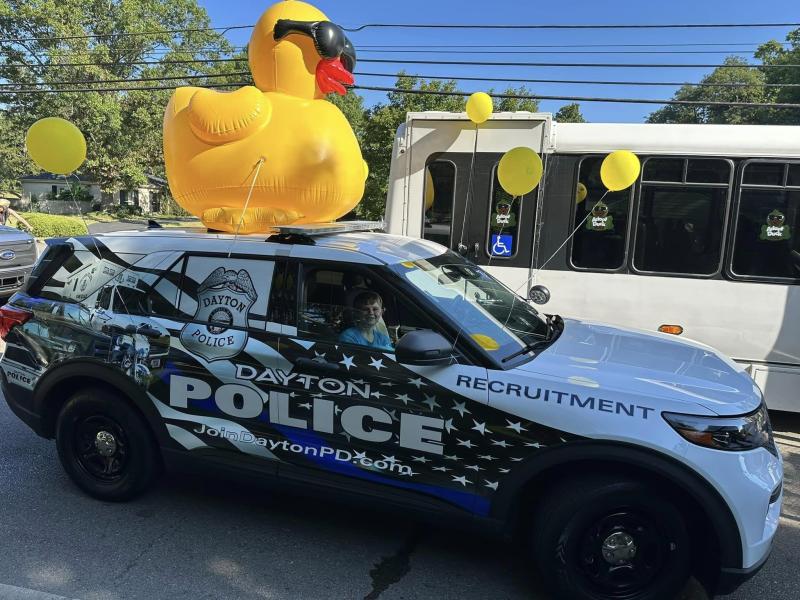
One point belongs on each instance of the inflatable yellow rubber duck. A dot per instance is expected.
(282, 134)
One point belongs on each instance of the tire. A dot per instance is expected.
(105, 446)
(575, 519)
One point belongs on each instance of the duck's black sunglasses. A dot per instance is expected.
(329, 39)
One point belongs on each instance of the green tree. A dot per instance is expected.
(782, 78)
(570, 113)
(732, 83)
(123, 129)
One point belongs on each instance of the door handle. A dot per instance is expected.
(312, 365)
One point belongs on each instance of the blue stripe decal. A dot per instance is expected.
(466, 500)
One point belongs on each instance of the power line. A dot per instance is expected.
(574, 81)
(540, 26)
(660, 45)
(586, 98)
(104, 81)
(443, 93)
(590, 65)
(481, 50)
(124, 64)
(120, 34)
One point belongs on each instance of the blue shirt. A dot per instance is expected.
(380, 340)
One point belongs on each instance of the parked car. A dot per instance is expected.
(17, 256)
(627, 460)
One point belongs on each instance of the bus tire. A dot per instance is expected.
(105, 446)
(610, 537)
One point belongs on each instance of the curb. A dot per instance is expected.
(10, 592)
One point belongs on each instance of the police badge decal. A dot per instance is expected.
(223, 301)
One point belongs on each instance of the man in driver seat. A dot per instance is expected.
(367, 313)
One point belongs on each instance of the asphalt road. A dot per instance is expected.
(195, 539)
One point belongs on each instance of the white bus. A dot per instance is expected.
(706, 241)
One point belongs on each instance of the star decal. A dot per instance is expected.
(465, 443)
(462, 480)
(488, 457)
(306, 405)
(336, 409)
(390, 459)
(442, 469)
(503, 470)
(501, 443)
(461, 408)
(359, 381)
(536, 445)
(360, 455)
(347, 361)
(475, 468)
(491, 484)
(377, 395)
(431, 402)
(292, 394)
(479, 427)
(376, 364)
(418, 383)
(393, 414)
(404, 398)
(320, 357)
(515, 426)
(515, 459)
(448, 425)
(387, 384)
(420, 459)
(451, 457)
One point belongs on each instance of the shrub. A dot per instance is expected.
(45, 226)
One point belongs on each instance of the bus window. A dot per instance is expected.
(601, 220)
(504, 217)
(440, 186)
(680, 226)
(766, 173)
(767, 242)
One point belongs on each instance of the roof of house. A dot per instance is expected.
(82, 178)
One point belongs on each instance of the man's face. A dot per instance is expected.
(370, 314)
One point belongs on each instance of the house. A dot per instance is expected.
(39, 191)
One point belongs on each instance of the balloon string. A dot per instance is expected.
(532, 278)
(468, 204)
(246, 204)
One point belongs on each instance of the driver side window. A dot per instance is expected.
(350, 306)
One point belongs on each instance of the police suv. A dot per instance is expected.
(396, 370)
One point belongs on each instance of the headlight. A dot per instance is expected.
(726, 433)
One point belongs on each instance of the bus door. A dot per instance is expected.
(455, 199)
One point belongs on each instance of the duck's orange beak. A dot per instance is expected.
(331, 74)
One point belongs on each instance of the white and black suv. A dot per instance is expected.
(394, 370)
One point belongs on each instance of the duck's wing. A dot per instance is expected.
(222, 117)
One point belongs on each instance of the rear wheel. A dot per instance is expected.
(611, 538)
(105, 446)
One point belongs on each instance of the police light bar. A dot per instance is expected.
(311, 229)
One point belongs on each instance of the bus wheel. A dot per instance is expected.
(605, 537)
(105, 446)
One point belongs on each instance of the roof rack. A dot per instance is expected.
(312, 229)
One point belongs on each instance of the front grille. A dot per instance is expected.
(12, 282)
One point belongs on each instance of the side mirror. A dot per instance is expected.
(424, 348)
(539, 294)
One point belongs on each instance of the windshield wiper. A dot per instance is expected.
(553, 327)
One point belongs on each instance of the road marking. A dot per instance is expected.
(10, 592)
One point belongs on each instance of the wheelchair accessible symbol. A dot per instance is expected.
(502, 244)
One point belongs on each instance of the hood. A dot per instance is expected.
(13, 235)
(650, 365)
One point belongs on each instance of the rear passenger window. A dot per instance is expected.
(439, 192)
(766, 242)
(601, 220)
(680, 226)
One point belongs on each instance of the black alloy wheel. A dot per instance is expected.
(611, 538)
(105, 445)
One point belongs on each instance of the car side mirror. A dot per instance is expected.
(539, 294)
(424, 348)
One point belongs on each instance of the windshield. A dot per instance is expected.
(498, 320)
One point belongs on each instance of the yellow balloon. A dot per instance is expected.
(430, 192)
(520, 171)
(479, 107)
(581, 193)
(619, 170)
(56, 145)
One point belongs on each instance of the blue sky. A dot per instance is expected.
(350, 13)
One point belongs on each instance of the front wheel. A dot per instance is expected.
(105, 446)
(611, 538)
